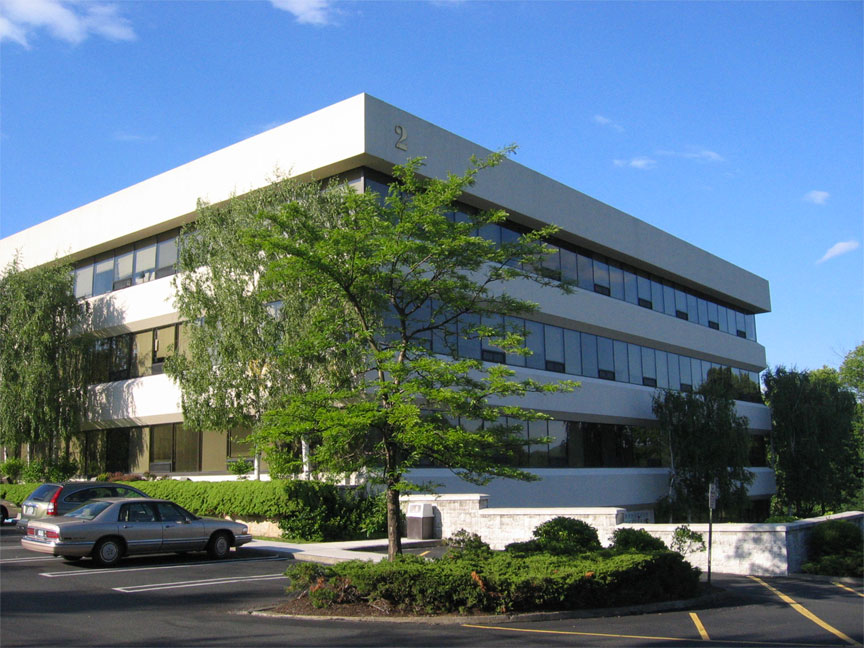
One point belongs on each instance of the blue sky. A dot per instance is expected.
(735, 126)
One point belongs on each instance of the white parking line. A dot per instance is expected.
(96, 572)
(4, 561)
(132, 589)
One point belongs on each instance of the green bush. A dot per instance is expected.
(636, 540)
(834, 538)
(40, 470)
(781, 519)
(685, 540)
(12, 468)
(847, 565)
(17, 493)
(241, 468)
(559, 536)
(502, 582)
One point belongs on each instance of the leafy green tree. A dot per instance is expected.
(235, 366)
(410, 288)
(816, 457)
(852, 372)
(706, 441)
(44, 354)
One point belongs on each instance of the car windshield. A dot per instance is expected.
(89, 510)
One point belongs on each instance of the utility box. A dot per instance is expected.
(420, 521)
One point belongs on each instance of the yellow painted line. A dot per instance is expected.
(424, 553)
(800, 609)
(736, 642)
(701, 628)
(845, 587)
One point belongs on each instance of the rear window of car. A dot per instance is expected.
(90, 493)
(123, 491)
(44, 493)
(89, 510)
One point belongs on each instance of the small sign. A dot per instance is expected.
(712, 495)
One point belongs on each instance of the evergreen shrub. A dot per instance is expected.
(636, 540)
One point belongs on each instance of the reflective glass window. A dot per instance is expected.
(712, 315)
(631, 292)
(686, 379)
(161, 443)
(634, 359)
(84, 281)
(681, 304)
(649, 370)
(622, 368)
(145, 262)
(669, 300)
(696, 372)
(142, 354)
(586, 272)
(616, 281)
(491, 232)
(750, 323)
(569, 265)
(166, 256)
(554, 345)
(121, 352)
(644, 287)
(534, 341)
(557, 432)
(589, 355)
(552, 262)
(538, 453)
(164, 341)
(572, 352)
(103, 278)
(662, 363)
(692, 308)
(732, 326)
(187, 449)
(124, 263)
(509, 236)
(723, 319)
(657, 296)
(740, 326)
(674, 371)
(702, 306)
(605, 358)
(601, 277)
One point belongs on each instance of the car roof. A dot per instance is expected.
(126, 499)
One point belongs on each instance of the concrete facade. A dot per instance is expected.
(365, 135)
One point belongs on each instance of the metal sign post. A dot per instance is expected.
(712, 504)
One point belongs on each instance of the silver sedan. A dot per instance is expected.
(106, 529)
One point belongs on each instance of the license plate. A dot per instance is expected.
(40, 533)
(29, 510)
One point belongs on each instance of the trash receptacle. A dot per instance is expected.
(420, 521)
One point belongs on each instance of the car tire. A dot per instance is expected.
(107, 552)
(71, 558)
(219, 546)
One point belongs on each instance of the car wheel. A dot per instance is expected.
(71, 558)
(107, 552)
(219, 546)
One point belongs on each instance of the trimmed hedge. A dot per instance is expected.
(305, 510)
(502, 582)
(835, 548)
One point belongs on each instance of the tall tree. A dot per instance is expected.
(706, 441)
(44, 354)
(412, 290)
(852, 372)
(816, 456)
(233, 368)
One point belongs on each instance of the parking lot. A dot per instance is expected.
(189, 600)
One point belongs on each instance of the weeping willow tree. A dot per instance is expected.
(44, 354)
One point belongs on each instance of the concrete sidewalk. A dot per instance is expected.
(334, 552)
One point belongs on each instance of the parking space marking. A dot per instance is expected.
(115, 570)
(848, 589)
(724, 642)
(800, 609)
(701, 628)
(197, 583)
(4, 561)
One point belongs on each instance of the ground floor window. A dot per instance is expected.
(174, 449)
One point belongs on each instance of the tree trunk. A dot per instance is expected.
(394, 539)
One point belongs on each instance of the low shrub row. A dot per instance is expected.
(525, 577)
(304, 510)
(835, 548)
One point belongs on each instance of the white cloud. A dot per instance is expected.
(816, 197)
(701, 155)
(605, 121)
(839, 248)
(307, 12)
(643, 163)
(68, 20)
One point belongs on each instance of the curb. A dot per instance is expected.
(708, 599)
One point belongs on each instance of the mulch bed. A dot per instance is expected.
(303, 606)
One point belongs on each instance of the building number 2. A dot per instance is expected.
(400, 143)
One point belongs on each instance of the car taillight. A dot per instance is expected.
(52, 534)
(52, 505)
(31, 531)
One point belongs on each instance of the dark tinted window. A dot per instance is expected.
(44, 493)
